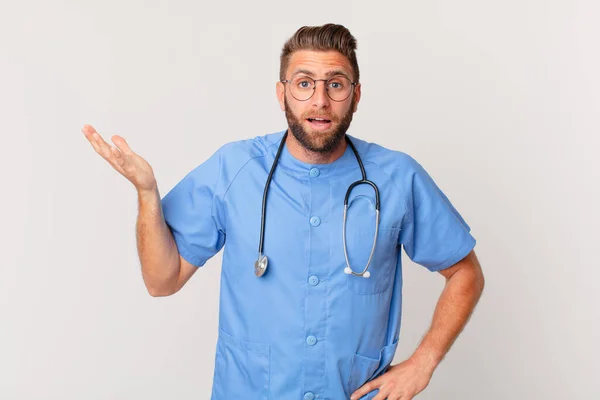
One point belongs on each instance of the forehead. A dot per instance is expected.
(318, 62)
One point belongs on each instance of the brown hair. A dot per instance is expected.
(320, 38)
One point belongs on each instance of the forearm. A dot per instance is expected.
(156, 248)
(454, 308)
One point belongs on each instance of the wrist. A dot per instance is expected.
(148, 193)
(428, 360)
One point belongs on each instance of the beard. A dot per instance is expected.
(319, 142)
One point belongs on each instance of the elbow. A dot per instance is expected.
(159, 293)
(159, 284)
(481, 283)
(477, 278)
(478, 282)
(160, 290)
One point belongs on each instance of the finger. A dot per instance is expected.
(381, 396)
(109, 153)
(104, 147)
(399, 396)
(106, 150)
(364, 389)
(118, 157)
(88, 130)
(93, 142)
(121, 143)
(123, 154)
(96, 136)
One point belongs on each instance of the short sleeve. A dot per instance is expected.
(433, 234)
(192, 210)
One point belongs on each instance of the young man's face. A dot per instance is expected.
(322, 137)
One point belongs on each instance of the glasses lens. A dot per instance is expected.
(339, 88)
(302, 87)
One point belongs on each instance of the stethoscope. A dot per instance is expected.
(260, 265)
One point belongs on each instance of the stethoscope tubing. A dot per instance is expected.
(261, 263)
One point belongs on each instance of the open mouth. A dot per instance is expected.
(319, 123)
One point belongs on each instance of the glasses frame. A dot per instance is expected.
(326, 88)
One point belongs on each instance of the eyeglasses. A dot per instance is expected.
(338, 88)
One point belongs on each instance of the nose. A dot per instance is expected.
(320, 98)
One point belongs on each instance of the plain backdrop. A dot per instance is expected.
(499, 101)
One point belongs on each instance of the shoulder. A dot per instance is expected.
(235, 154)
(231, 157)
(241, 151)
(398, 165)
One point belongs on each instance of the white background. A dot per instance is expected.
(499, 101)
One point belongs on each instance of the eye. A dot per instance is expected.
(303, 82)
(336, 84)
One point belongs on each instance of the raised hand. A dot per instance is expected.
(129, 164)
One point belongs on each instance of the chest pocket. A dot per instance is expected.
(360, 232)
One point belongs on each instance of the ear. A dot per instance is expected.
(280, 90)
(356, 96)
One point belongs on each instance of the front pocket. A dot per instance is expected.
(361, 369)
(242, 369)
(364, 369)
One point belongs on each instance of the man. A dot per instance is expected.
(301, 315)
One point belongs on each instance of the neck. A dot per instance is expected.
(299, 152)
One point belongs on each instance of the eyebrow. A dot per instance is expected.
(328, 74)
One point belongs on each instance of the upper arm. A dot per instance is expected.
(470, 262)
(193, 211)
(433, 234)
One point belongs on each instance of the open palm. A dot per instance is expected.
(129, 164)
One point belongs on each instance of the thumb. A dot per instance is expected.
(121, 143)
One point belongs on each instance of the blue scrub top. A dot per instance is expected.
(306, 330)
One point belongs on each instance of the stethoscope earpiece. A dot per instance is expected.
(348, 271)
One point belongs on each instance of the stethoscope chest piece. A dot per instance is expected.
(260, 265)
